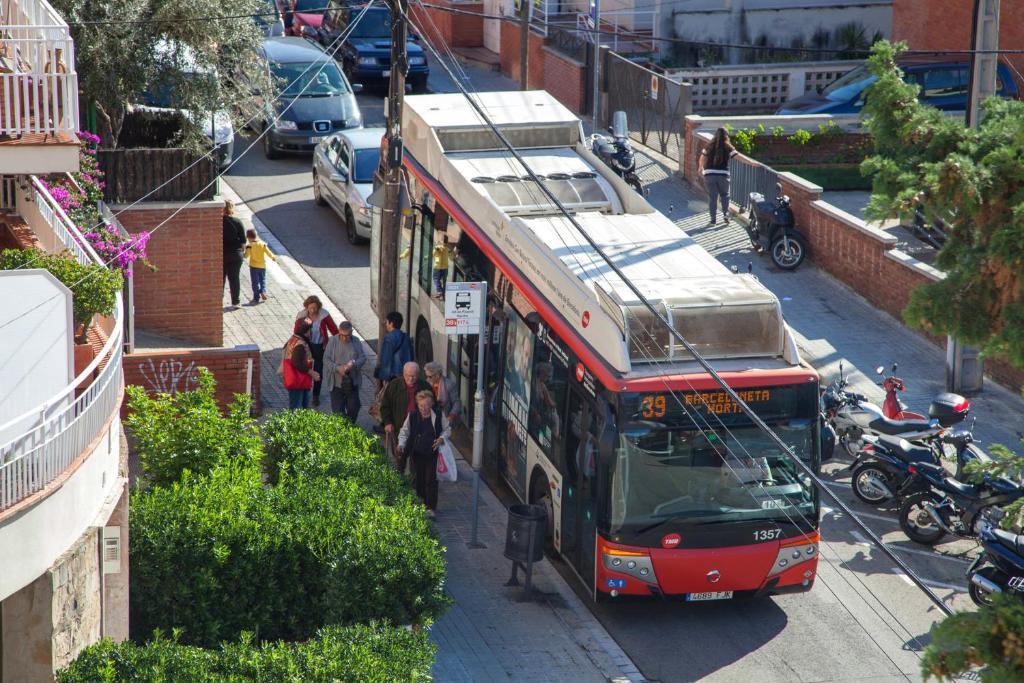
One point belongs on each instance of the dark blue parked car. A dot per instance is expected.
(944, 85)
(365, 55)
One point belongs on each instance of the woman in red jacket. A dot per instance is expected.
(299, 377)
(322, 326)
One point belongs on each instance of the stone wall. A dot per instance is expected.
(183, 298)
(173, 370)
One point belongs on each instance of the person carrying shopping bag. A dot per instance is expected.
(396, 402)
(322, 326)
(299, 376)
(423, 433)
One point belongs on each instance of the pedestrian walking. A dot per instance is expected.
(257, 251)
(396, 402)
(445, 391)
(395, 352)
(299, 376)
(421, 436)
(343, 363)
(714, 167)
(234, 241)
(322, 326)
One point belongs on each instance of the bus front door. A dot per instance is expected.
(579, 510)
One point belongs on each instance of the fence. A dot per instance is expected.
(572, 44)
(757, 87)
(129, 282)
(131, 173)
(746, 176)
(655, 105)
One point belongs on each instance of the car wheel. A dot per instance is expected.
(318, 196)
(269, 151)
(350, 227)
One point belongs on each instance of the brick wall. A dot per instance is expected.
(15, 234)
(566, 79)
(183, 298)
(510, 55)
(174, 370)
(862, 257)
(453, 30)
(947, 24)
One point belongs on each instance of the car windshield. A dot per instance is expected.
(309, 80)
(849, 85)
(367, 161)
(701, 476)
(375, 24)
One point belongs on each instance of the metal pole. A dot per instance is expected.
(596, 103)
(391, 214)
(524, 44)
(478, 415)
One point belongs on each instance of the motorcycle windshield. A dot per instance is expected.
(619, 127)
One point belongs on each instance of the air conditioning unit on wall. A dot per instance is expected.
(110, 550)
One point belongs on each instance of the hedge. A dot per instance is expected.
(219, 554)
(311, 443)
(188, 431)
(376, 653)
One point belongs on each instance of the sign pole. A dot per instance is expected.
(478, 417)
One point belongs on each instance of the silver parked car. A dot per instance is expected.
(343, 168)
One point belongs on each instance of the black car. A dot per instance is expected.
(365, 55)
(314, 99)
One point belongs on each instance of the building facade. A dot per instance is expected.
(63, 475)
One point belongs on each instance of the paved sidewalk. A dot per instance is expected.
(832, 323)
(487, 634)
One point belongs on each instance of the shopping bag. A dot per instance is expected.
(446, 469)
(374, 409)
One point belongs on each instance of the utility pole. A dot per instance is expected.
(596, 104)
(391, 213)
(524, 43)
(964, 366)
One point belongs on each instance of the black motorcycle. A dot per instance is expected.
(616, 152)
(771, 228)
(1000, 567)
(885, 467)
(950, 506)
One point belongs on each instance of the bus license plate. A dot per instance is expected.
(720, 595)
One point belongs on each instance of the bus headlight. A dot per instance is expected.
(630, 562)
(793, 553)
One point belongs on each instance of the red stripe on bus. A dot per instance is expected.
(601, 369)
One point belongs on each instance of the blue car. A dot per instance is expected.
(944, 85)
(365, 55)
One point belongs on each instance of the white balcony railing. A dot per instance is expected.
(38, 82)
(63, 426)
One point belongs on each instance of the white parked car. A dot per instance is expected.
(343, 168)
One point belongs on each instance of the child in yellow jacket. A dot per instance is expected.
(257, 251)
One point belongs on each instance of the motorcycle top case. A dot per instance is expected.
(949, 409)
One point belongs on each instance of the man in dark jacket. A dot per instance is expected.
(397, 401)
(234, 243)
(395, 352)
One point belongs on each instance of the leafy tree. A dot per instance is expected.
(971, 178)
(117, 56)
(991, 639)
(188, 431)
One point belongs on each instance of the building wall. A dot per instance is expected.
(173, 370)
(183, 298)
(947, 25)
(549, 70)
(453, 30)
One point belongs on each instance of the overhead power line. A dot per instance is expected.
(747, 410)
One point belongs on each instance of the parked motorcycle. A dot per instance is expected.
(853, 415)
(771, 228)
(616, 151)
(892, 407)
(884, 468)
(950, 506)
(1000, 566)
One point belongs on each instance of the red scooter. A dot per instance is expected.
(893, 408)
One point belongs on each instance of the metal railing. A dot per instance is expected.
(38, 82)
(746, 176)
(624, 30)
(65, 424)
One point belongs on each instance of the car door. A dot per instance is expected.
(344, 169)
(332, 186)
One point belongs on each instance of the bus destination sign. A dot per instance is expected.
(769, 402)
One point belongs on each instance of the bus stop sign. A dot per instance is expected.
(463, 307)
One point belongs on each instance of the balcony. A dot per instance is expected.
(60, 460)
(38, 90)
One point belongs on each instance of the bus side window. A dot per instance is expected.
(426, 250)
(547, 400)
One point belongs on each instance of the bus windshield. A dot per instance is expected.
(692, 476)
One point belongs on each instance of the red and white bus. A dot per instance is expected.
(654, 481)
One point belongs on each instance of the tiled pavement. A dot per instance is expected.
(832, 323)
(487, 634)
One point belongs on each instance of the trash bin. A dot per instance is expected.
(525, 535)
(965, 369)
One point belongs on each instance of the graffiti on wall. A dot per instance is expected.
(169, 376)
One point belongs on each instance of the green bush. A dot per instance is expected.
(220, 554)
(187, 431)
(94, 288)
(311, 443)
(376, 653)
